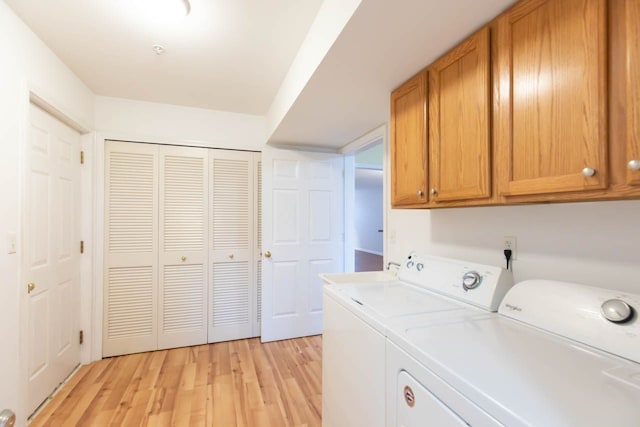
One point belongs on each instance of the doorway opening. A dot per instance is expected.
(368, 207)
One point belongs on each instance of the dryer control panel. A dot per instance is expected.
(602, 318)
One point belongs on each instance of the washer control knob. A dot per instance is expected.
(419, 266)
(410, 264)
(471, 280)
(616, 310)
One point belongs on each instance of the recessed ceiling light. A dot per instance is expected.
(158, 49)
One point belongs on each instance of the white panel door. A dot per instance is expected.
(303, 232)
(131, 248)
(51, 253)
(232, 309)
(182, 311)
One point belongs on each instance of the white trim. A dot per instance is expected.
(97, 246)
(303, 147)
(349, 213)
(150, 139)
(369, 252)
(349, 150)
(368, 166)
(45, 101)
(23, 332)
(364, 140)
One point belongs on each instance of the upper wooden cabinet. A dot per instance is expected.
(460, 122)
(631, 25)
(552, 97)
(409, 143)
(542, 105)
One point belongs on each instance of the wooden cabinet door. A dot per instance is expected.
(409, 142)
(632, 29)
(460, 121)
(552, 61)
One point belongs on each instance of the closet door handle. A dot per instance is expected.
(267, 254)
(183, 258)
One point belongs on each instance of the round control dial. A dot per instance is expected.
(471, 280)
(616, 310)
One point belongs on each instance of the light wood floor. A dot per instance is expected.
(236, 383)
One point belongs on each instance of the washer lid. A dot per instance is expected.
(602, 318)
(523, 375)
(392, 299)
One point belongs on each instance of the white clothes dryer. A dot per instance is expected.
(557, 354)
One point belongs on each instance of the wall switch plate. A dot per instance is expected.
(12, 243)
(509, 242)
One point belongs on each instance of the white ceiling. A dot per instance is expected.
(384, 43)
(233, 55)
(229, 55)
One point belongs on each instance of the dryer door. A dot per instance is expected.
(418, 407)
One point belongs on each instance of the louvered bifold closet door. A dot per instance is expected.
(258, 233)
(131, 249)
(232, 296)
(183, 247)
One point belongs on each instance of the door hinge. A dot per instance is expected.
(81, 336)
(82, 157)
(81, 246)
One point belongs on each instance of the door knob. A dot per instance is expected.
(267, 254)
(183, 258)
(230, 256)
(30, 287)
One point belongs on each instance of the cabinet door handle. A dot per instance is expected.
(419, 193)
(31, 287)
(183, 258)
(633, 165)
(267, 254)
(433, 191)
(587, 172)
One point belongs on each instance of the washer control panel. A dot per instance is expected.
(477, 284)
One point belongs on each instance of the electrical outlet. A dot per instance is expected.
(509, 242)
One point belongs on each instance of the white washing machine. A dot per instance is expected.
(357, 315)
(556, 354)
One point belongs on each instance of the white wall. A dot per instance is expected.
(368, 216)
(595, 243)
(117, 118)
(331, 19)
(25, 64)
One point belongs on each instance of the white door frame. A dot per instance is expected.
(349, 150)
(42, 99)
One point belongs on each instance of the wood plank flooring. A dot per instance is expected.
(236, 383)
